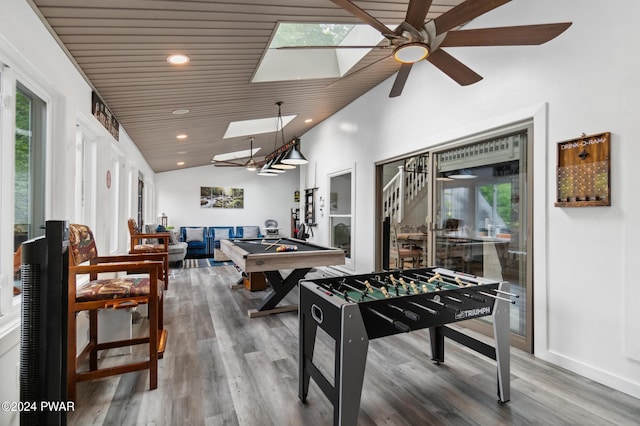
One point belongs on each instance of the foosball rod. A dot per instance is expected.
(461, 284)
(332, 290)
(363, 293)
(397, 324)
(445, 305)
(431, 311)
(407, 313)
(371, 288)
(497, 297)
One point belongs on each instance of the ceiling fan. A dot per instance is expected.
(415, 40)
(250, 165)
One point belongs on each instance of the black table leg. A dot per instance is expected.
(281, 286)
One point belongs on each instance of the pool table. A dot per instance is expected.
(265, 255)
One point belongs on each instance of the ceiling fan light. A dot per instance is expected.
(251, 165)
(294, 157)
(411, 52)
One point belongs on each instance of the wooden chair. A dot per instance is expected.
(141, 244)
(409, 253)
(97, 293)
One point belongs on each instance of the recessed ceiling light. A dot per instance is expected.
(180, 163)
(178, 59)
(180, 111)
(181, 152)
(308, 120)
(182, 136)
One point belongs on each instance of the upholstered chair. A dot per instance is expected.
(146, 243)
(89, 290)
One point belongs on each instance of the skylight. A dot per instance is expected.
(256, 127)
(303, 64)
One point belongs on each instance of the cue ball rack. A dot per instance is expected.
(583, 172)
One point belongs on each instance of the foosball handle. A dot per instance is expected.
(401, 326)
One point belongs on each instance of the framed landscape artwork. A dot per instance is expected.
(223, 198)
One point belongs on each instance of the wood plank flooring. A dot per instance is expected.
(223, 368)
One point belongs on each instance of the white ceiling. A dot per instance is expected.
(121, 47)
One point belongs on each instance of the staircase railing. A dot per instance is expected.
(404, 187)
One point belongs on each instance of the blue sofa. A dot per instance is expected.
(217, 233)
(197, 240)
(248, 232)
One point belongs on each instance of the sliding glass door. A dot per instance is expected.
(481, 207)
(467, 208)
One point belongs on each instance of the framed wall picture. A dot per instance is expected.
(222, 198)
(583, 172)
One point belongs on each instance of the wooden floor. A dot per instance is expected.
(222, 367)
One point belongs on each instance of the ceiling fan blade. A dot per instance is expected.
(332, 47)
(417, 12)
(363, 16)
(223, 163)
(401, 79)
(452, 67)
(464, 12)
(356, 72)
(505, 36)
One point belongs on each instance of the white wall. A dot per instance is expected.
(35, 60)
(178, 195)
(585, 81)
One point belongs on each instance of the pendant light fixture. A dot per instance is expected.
(278, 163)
(251, 164)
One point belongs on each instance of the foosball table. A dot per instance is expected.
(355, 309)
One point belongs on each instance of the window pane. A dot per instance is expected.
(340, 196)
(341, 234)
(28, 174)
(481, 215)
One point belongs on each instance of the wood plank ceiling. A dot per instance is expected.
(121, 47)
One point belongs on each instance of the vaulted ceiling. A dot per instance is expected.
(121, 47)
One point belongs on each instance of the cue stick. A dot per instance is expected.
(431, 311)
(397, 324)
(407, 313)
(274, 244)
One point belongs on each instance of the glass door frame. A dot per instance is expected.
(522, 342)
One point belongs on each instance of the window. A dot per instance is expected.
(29, 170)
(113, 184)
(86, 164)
(340, 213)
(140, 207)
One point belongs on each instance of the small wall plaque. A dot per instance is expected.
(584, 166)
